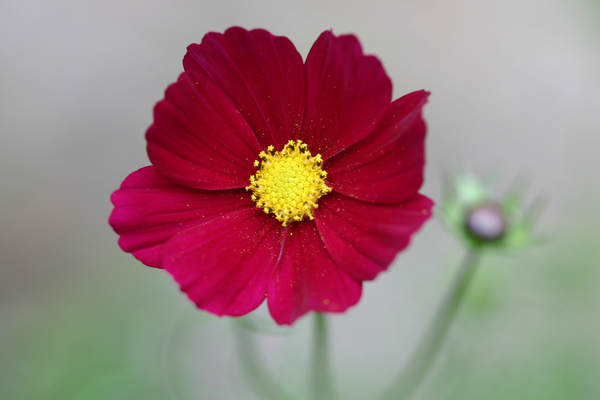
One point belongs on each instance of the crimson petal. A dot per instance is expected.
(347, 94)
(387, 166)
(262, 74)
(224, 265)
(150, 209)
(306, 278)
(199, 139)
(363, 238)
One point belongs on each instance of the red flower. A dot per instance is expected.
(273, 178)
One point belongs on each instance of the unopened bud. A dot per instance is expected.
(486, 222)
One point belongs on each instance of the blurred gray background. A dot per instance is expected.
(515, 90)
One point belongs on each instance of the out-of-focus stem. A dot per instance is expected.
(321, 372)
(410, 378)
(255, 369)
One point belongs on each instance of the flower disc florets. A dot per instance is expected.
(288, 183)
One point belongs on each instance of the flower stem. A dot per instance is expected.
(410, 378)
(321, 372)
(254, 367)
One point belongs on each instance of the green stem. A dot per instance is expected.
(410, 378)
(321, 372)
(254, 367)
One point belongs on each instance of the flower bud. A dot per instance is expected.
(479, 219)
(486, 223)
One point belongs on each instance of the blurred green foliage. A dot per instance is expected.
(528, 330)
(529, 327)
(107, 340)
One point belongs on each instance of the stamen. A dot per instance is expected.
(288, 183)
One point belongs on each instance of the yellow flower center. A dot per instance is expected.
(289, 183)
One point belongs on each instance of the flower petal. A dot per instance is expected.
(363, 238)
(306, 278)
(224, 265)
(347, 94)
(199, 139)
(262, 74)
(386, 166)
(150, 209)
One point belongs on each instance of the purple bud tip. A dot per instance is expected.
(486, 222)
